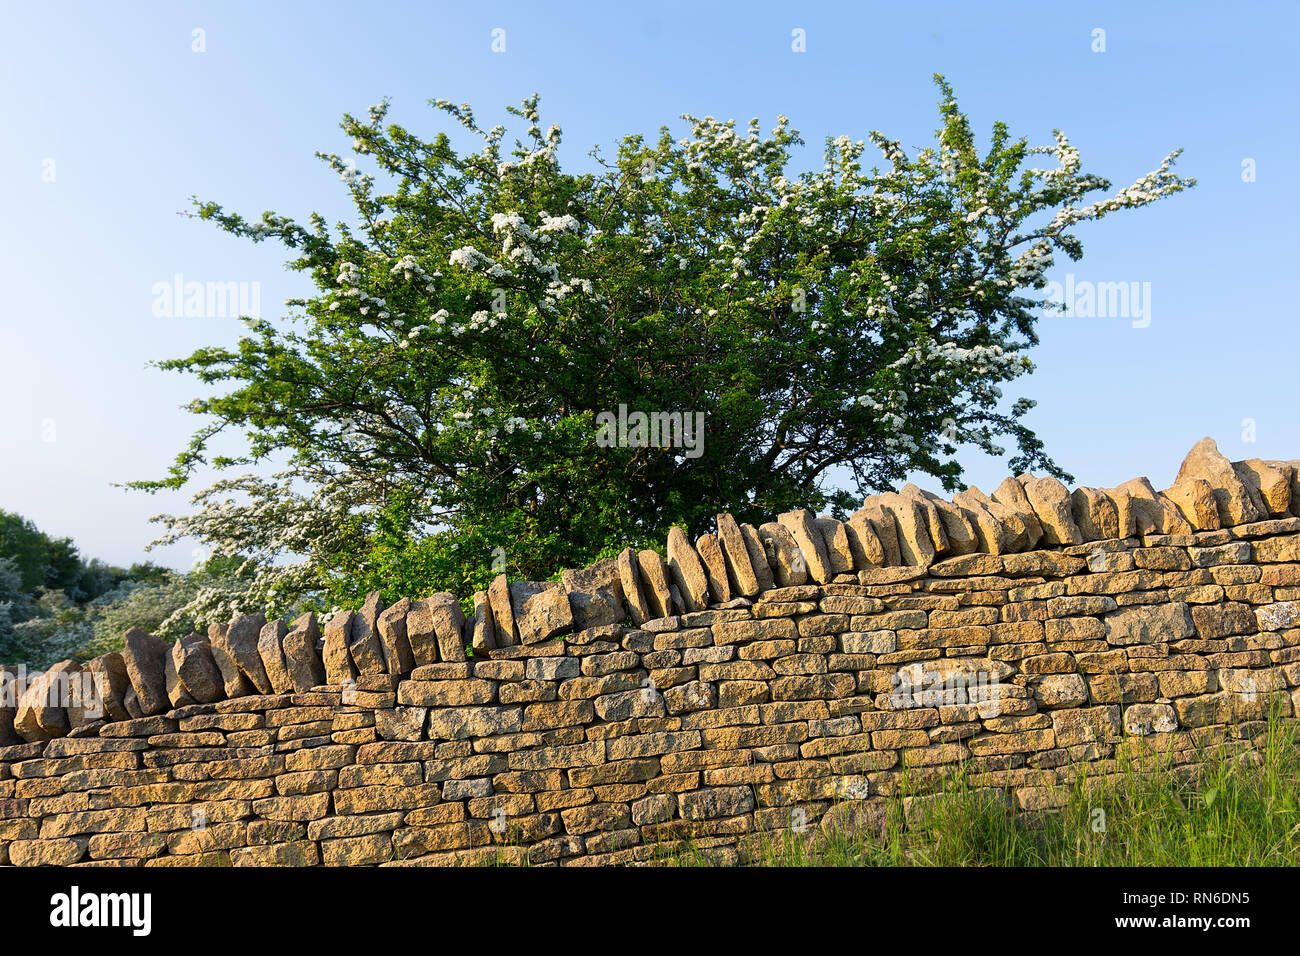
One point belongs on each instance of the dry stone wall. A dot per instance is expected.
(791, 676)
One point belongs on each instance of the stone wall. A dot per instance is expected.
(763, 679)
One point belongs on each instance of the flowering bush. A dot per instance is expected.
(438, 396)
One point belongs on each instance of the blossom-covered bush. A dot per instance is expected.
(437, 398)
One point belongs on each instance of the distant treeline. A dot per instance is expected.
(55, 604)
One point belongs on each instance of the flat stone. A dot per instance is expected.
(687, 571)
(1194, 498)
(1095, 514)
(234, 681)
(957, 527)
(740, 569)
(111, 683)
(339, 668)
(482, 630)
(758, 557)
(1144, 719)
(1011, 494)
(991, 535)
(1149, 624)
(934, 522)
(886, 528)
(1235, 501)
(364, 644)
(865, 544)
(654, 583)
(836, 539)
(42, 711)
(541, 610)
(145, 658)
(435, 626)
(1268, 483)
(177, 695)
(916, 547)
(270, 647)
(241, 641)
(595, 594)
(502, 612)
(197, 670)
(302, 657)
(715, 566)
(629, 571)
(802, 526)
(390, 626)
(1050, 501)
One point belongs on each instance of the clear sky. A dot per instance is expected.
(111, 120)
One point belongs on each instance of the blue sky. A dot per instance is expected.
(113, 104)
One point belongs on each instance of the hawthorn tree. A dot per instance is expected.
(439, 398)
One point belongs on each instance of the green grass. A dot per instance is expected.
(1233, 806)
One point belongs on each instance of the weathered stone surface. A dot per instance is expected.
(482, 629)
(391, 627)
(740, 569)
(435, 625)
(197, 670)
(302, 657)
(1194, 498)
(629, 572)
(597, 608)
(687, 570)
(112, 682)
(836, 539)
(595, 594)
(364, 645)
(9, 695)
(1061, 690)
(915, 546)
(1158, 624)
(934, 521)
(864, 543)
(886, 528)
(757, 557)
(1053, 509)
(1235, 502)
(1153, 513)
(177, 695)
(339, 669)
(1268, 483)
(270, 647)
(1086, 725)
(145, 657)
(241, 642)
(783, 556)
(802, 527)
(541, 610)
(715, 566)
(1143, 719)
(654, 583)
(711, 724)
(603, 575)
(1292, 470)
(1095, 514)
(464, 723)
(503, 614)
(42, 710)
(992, 536)
(959, 530)
(235, 683)
(1011, 494)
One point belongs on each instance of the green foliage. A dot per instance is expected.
(85, 607)
(440, 399)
